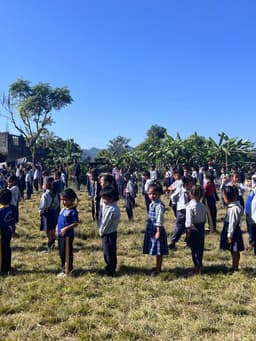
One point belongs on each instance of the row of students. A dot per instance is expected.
(155, 239)
(190, 217)
(67, 220)
(194, 215)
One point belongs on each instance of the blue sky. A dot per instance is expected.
(186, 65)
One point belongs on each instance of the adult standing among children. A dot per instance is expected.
(77, 172)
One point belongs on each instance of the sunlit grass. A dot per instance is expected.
(36, 305)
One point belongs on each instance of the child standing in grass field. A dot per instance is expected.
(14, 204)
(67, 221)
(49, 209)
(155, 239)
(7, 223)
(108, 224)
(196, 213)
(231, 235)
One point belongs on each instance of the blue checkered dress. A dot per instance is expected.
(152, 246)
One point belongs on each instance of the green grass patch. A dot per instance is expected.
(36, 305)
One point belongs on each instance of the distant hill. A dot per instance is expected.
(91, 153)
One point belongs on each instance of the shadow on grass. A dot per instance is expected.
(132, 270)
(124, 270)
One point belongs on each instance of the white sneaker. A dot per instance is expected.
(61, 274)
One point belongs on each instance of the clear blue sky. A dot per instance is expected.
(186, 65)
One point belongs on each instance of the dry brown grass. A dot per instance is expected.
(36, 305)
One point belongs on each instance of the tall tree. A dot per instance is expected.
(118, 146)
(156, 133)
(148, 150)
(31, 107)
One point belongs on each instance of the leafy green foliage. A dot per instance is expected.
(34, 106)
(161, 149)
(118, 146)
(53, 150)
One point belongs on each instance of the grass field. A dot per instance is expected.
(36, 305)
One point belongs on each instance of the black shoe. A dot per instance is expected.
(106, 273)
(232, 270)
(154, 273)
(172, 246)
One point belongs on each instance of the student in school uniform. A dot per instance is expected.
(129, 195)
(175, 187)
(181, 198)
(14, 204)
(231, 235)
(251, 226)
(7, 223)
(68, 220)
(240, 187)
(195, 220)
(108, 228)
(147, 182)
(210, 200)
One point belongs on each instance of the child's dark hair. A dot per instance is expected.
(127, 176)
(5, 196)
(70, 194)
(209, 175)
(112, 182)
(51, 184)
(107, 177)
(231, 193)
(178, 171)
(108, 192)
(13, 179)
(157, 187)
(187, 179)
(146, 173)
(197, 191)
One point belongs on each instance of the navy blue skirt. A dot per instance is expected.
(152, 246)
(237, 244)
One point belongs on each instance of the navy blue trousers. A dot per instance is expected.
(197, 245)
(129, 205)
(179, 227)
(6, 254)
(251, 228)
(109, 252)
(147, 201)
(211, 202)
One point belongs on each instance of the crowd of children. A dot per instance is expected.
(193, 202)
